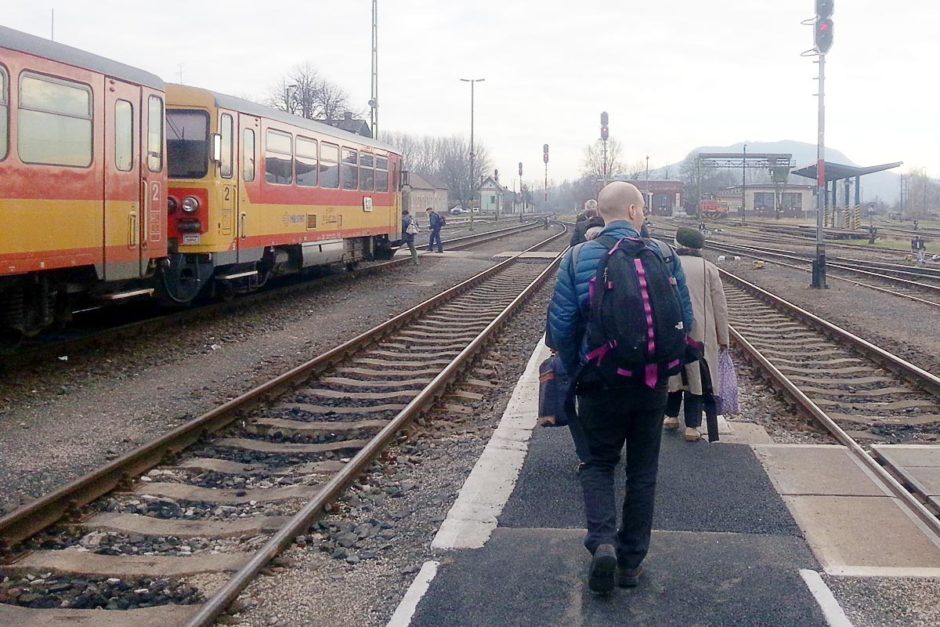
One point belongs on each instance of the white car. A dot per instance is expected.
(458, 210)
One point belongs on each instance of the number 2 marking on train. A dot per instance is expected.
(228, 193)
(155, 192)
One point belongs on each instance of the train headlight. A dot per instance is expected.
(171, 205)
(190, 204)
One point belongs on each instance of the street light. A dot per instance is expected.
(744, 186)
(472, 81)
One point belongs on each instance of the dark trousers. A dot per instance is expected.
(609, 418)
(692, 405)
(436, 237)
(580, 441)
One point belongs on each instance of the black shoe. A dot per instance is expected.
(603, 568)
(629, 577)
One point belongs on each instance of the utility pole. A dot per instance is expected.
(521, 193)
(498, 193)
(649, 196)
(744, 186)
(52, 26)
(545, 159)
(472, 82)
(374, 100)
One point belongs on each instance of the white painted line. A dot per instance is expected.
(416, 591)
(926, 572)
(473, 517)
(835, 616)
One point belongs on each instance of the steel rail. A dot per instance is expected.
(898, 490)
(834, 264)
(884, 290)
(65, 501)
(927, 381)
(226, 595)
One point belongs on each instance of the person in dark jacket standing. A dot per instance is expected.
(409, 226)
(435, 224)
(632, 412)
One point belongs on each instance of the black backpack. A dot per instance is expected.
(634, 327)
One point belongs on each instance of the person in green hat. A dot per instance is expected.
(710, 328)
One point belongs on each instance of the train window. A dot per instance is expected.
(155, 134)
(329, 166)
(3, 113)
(123, 135)
(366, 172)
(187, 143)
(228, 144)
(278, 166)
(350, 169)
(381, 174)
(306, 162)
(248, 155)
(54, 122)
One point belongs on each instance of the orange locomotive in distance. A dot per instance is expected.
(256, 192)
(88, 152)
(82, 181)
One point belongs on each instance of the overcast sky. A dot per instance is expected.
(673, 74)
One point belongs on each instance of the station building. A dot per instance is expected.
(793, 201)
(421, 192)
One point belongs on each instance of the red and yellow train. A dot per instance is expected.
(115, 186)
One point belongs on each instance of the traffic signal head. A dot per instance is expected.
(520, 168)
(823, 35)
(545, 153)
(824, 9)
(603, 118)
(604, 133)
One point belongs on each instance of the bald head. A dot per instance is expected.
(621, 201)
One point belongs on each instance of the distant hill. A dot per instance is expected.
(884, 185)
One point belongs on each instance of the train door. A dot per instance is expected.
(122, 192)
(249, 131)
(153, 177)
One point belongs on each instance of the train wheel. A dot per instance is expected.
(182, 279)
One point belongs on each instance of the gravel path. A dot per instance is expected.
(63, 418)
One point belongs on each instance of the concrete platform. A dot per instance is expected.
(852, 523)
(725, 549)
(536, 577)
(916, 465)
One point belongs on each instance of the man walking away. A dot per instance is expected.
(435, 224)
(617, 401)
(591, 219)
(710, 310)
(409, 228)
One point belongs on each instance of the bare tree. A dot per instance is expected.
(594, 159)
(303, 92)
(446, 159)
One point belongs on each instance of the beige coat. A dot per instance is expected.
(711, 318)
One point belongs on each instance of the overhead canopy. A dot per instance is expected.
(839, 171)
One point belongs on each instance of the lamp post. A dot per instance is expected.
(744, 185)
(472, 81)
(649, 196)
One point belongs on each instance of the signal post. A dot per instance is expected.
(822, 29)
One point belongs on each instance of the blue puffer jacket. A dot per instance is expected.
(567, 313)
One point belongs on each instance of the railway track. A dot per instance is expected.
(103, 326)
(227, 492)
(920, 285)
(860, 393)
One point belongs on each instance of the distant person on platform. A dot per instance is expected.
(435, 223)
(409, 228)
(591, 219)
(710, 310)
